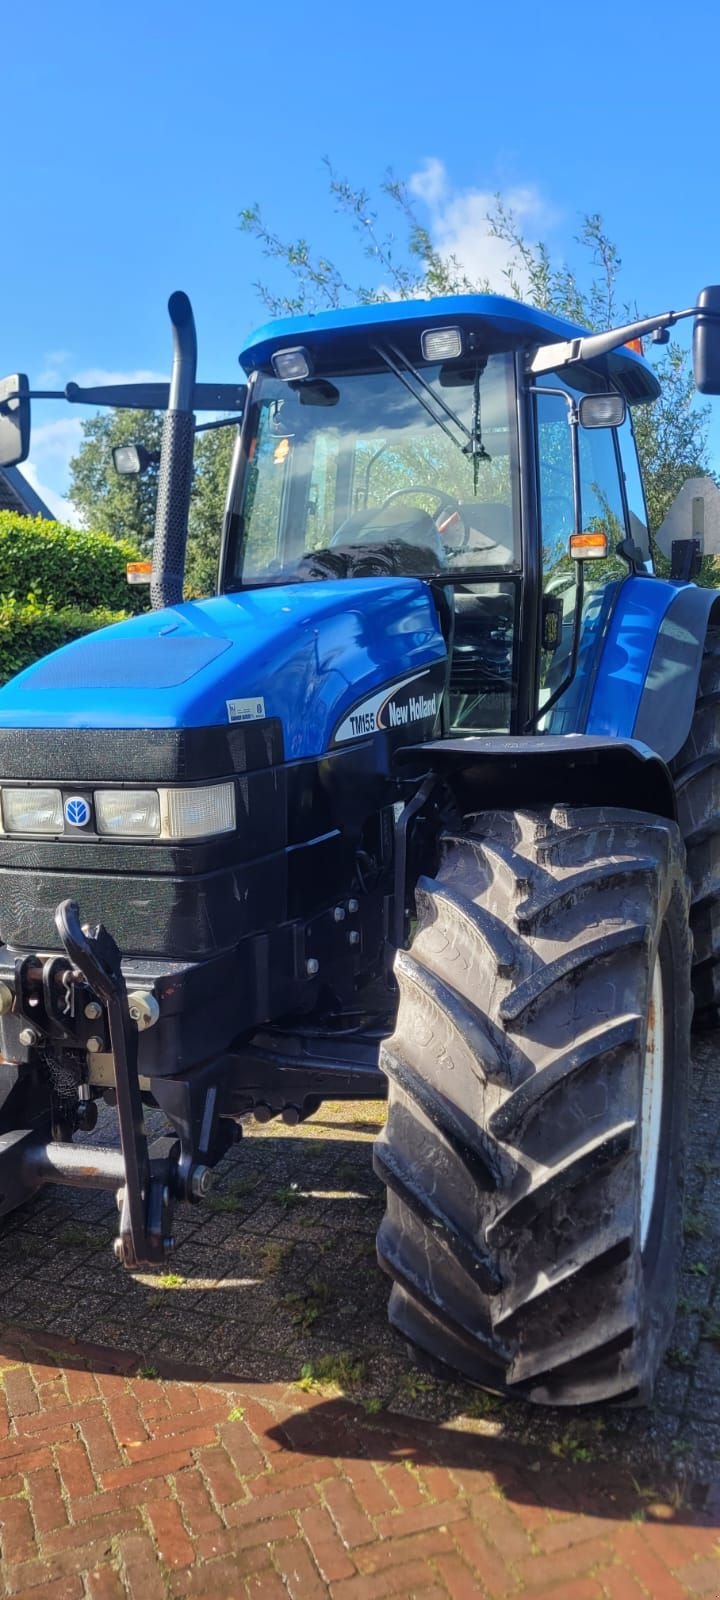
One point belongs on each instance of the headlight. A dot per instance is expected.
(166, 813)
(130, 812)
(32, 810)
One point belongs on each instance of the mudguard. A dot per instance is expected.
(646, 682)
(547, 769)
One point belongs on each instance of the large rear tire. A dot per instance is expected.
(697, 782)
(534, 1146)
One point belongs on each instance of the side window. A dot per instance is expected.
(602, 502)
(634, 491)
(603, 511)
(559, 570)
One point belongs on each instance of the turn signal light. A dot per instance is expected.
(588, 546)
(636, 345)
(139, 571)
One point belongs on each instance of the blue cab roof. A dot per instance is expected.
(510, 323)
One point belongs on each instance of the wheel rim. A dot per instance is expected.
(652, 1098)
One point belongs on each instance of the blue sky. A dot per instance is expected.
(134, 135)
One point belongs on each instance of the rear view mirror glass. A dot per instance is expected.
(602, 411)
(14, 419)
(706, 343)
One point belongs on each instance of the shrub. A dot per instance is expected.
(30, 629)
(66, 567)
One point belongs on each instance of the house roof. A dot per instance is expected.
(16, 494)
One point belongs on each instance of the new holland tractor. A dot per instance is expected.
(426, 797)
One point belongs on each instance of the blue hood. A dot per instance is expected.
(308, 651)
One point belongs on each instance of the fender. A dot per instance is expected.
(546, 769)
(647, 678)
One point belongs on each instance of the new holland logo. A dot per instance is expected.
(77, 811)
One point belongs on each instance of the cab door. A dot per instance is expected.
(576, 596)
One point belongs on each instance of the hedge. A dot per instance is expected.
(66, 567)
(29, 630)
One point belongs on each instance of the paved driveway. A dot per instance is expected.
(246, 1424)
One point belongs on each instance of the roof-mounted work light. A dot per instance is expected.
(441, 344)
(292, 365)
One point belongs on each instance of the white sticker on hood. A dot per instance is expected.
(250, 710)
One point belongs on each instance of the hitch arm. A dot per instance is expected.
(95, 956)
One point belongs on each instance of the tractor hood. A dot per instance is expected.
(305, 654)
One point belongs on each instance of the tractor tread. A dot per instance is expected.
(511, 1149)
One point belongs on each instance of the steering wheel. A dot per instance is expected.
(446, 502)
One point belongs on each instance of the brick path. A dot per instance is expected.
(117, 1485)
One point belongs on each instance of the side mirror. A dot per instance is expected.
(14, 419)
(706, 342)
(129, 460)
(601, 411)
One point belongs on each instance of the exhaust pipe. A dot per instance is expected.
(176, 461)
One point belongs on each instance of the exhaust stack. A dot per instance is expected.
(176, 461)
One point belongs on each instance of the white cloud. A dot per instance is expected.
(60, 507)
(56, 441)
(52, 375)
(459, 227)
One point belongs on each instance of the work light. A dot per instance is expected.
(32, 811)
(292, 365)
(441, 344)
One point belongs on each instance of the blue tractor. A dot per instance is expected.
(427, 797)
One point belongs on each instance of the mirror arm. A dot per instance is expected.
(587, 347)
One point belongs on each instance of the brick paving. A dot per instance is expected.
(247, 1425)
(116, 1485)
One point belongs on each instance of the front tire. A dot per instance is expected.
(534, 1146)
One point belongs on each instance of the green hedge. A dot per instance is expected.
(66, 567)
(29, 630)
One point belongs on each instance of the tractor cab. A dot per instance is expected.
(412, 440)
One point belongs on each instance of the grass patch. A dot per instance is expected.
(79, 1238)
(276, 1255)
(236, 1414)
(147, 1372)
(481, 1404)
(413, 1384)
(711, 1326)
(172, 1280)
(288, 1195)
(307, 1304)
(216, 1204)
(341, 1371)
(678, 1358)
(694, 1225)
(570, 1448)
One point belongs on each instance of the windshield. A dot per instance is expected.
(366, 474)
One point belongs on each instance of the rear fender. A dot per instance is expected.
(647, 679)
(547, 769)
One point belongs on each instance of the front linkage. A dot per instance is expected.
(74, 1008)
(86, 1001)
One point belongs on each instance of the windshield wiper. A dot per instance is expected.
(473, 446)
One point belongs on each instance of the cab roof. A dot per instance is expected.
(337, 336)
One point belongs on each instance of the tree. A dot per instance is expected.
(125, 507)
(671, 434)
(213, 454)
